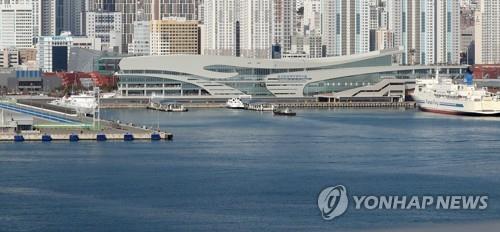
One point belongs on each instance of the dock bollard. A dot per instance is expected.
(128, 137)
(46, 138)
(18, 138)
(74, 138)
(101, 137)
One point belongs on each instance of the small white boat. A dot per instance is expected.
(176, 108)
(235, 103)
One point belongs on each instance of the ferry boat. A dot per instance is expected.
(83, 104)
(235, 103)
(447, 96)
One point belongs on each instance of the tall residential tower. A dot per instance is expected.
(256, 28)
(345, 26)
(487, 35)
(16, 24)
(220, 27)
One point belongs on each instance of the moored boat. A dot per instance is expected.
(176, 108)
(235, 103)
(448, 96)
(83, 104)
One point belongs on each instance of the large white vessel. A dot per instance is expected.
(84, 104)
(447, 96)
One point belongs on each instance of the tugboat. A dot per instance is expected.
(446, 96)
(285, 112)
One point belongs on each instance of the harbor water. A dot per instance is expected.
(232, 170)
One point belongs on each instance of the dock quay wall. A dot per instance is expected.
(85, 137)
(348, 105)
(291, 104)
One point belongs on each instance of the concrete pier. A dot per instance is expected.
(47, 125)
(291, 104)
(85, 136)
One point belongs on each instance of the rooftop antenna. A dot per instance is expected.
(97, 109)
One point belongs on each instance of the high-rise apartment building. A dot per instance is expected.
(312, 16)
(304, 46)
(403, 24)
(448, 32)
(128, 10)
(37, 17)
(439, 32)
(345, 26)
(221, 31)
(16, 24)
(487, 34)
(428, 30)
(140, 45)
(201, 12)
(283, 25)
(106, 26)
(44, 17)
(173, 36)
(153, 10)
(101, 5)
(384, 39)
(161, 9)
(256, 28)
(69, 16)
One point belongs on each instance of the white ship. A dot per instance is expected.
(447, 96)
(237, 102)
(83, 104)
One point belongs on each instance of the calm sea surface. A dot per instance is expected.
(238, 170)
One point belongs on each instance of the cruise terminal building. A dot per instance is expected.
(195, 76)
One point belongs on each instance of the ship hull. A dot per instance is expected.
(459, 113)
(456, 107)
(78, 109)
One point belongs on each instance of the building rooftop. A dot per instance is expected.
(196, 64)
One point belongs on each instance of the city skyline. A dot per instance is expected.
(427, 31)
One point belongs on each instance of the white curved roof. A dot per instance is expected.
(195, 64)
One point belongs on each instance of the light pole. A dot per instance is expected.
(97, 109)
